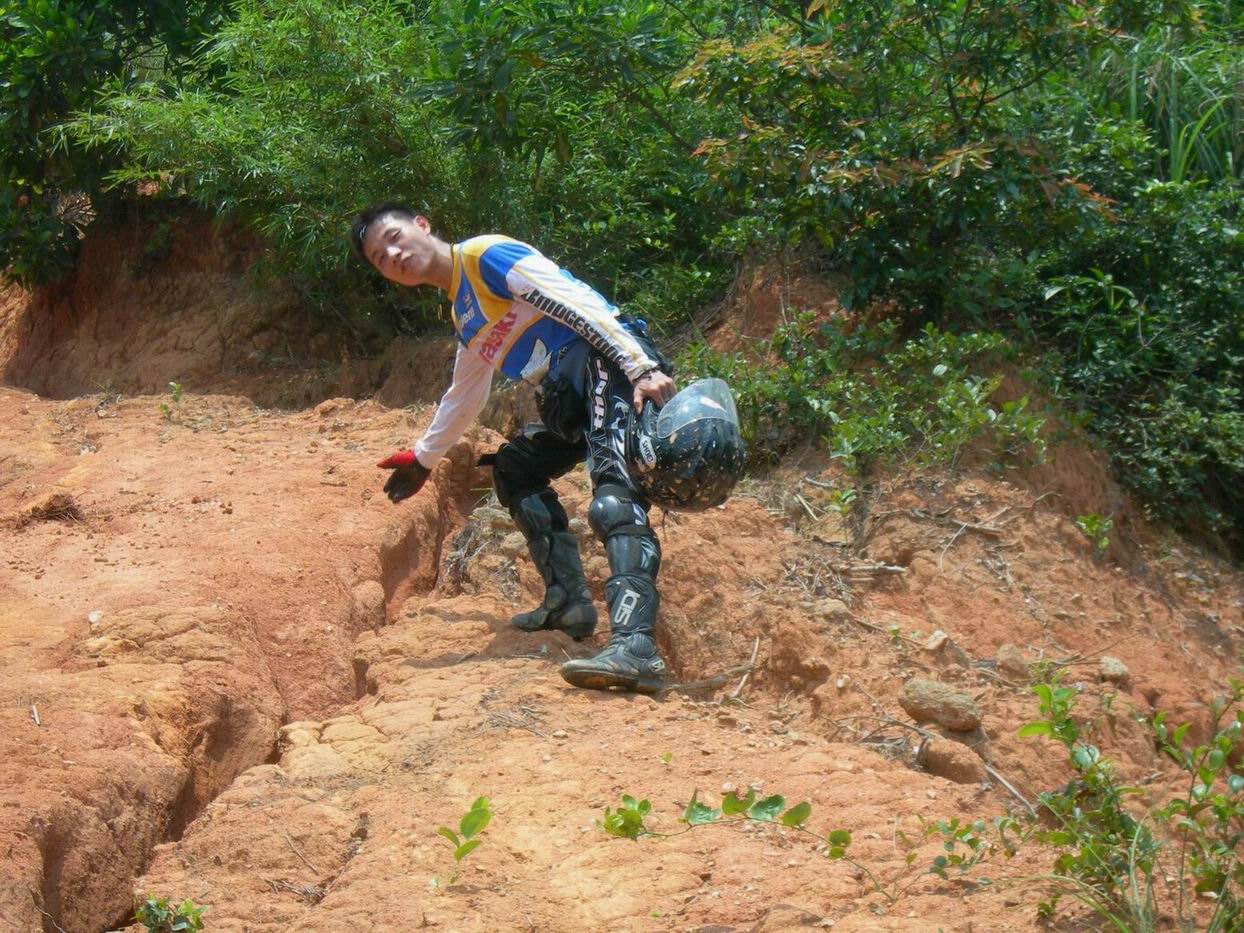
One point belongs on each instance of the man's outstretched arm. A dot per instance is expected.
(459, 407)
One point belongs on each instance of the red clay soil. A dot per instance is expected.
(152, 302)
(232, 671)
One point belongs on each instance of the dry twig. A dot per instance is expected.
(992, 772)
(50, 918)
(294, 849)
(751, 665)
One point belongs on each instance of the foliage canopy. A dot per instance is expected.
(1067, 175)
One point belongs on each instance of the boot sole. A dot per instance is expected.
(554, 624)
(577, 633)
(607, 680)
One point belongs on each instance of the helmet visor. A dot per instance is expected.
(702, 400)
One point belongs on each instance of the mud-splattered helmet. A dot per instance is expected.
(689, 454)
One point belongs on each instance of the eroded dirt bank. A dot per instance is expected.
(174, 589)
(158, 298)
(291, 683)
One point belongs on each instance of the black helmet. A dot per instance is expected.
(689, 454)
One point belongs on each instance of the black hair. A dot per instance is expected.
(365, 218)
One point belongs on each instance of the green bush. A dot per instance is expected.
(1129, 868)
(296, 115)
(160, 916)
(512, 117)
(1151, 343)
(874, 398)
(55, 55)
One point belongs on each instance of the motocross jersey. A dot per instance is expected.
(515, 310)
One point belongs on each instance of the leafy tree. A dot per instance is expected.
(55, 55)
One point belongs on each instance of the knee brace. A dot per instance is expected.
(619, 520)
(615, 510)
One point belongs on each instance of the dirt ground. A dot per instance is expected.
(234, 672)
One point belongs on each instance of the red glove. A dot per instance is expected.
(408, 475)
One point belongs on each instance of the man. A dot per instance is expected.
(517, 312)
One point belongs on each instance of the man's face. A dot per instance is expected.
(400, 247)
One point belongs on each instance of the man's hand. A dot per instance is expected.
(653, 385)
(408, 477)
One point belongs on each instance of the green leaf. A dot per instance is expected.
(767, 809)
(1057, 838)
(466, 849)
(474, 822)
(1236, 783)
(450, 835)
(1035, 728)
(698, 814)
(732, 805)
(840, 837)
(836, 853)
(796, 815)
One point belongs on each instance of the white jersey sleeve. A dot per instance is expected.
(548, 288)
(460, 406)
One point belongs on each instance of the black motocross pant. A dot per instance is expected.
(586, 403)
(586, 406)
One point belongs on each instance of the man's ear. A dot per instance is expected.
(423, 223)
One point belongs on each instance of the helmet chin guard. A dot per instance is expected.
(688, 455)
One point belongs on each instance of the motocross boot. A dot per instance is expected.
(630, 661)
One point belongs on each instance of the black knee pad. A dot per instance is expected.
(616, 510)
(538, 513)
(506, 473)
(620, 520)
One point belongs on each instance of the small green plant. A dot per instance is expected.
(1112, 860)
(842, 500)
(175, 393)
(159, 916)
(1097, 529)
(965, 844)
(466, 840)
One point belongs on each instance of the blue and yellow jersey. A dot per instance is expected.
(516, 309)
(513, 310)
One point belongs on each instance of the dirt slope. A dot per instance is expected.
(159, 298)
(289, 683)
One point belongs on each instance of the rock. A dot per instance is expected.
(941, 644)
(781, 917)
(1113, 671)
(824, 699)
(930, 701)
(512, 545)
(833, 610)
(367, 606)
(1012, 665)
(492, 519)
(952, 761)
(579, 528)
